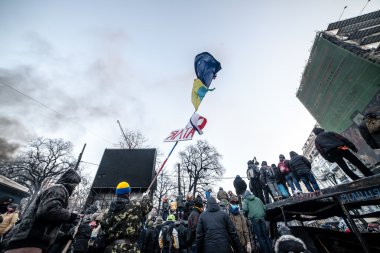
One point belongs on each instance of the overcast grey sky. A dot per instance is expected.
(96, 62)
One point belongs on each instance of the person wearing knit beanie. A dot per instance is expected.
(123, 188)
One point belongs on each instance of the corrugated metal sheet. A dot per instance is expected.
(364, 33)
(350, 21)
(371, 39)
(346, 30)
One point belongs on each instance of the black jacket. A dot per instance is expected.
(45, 215)
(150, 241)
(240, 185)
(216, 232)
(327, 141)
(80, 243)
(192, 223)
(280, 177)
(299, 164)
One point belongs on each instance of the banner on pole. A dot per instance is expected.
(196, 124)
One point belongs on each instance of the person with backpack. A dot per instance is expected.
(302, 167)
(283, 165)
(216, 232)
(157, 229)
(168, 237)
(192, 223)
(181, 228)
(253, 175)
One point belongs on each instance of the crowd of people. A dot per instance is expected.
(223, 222)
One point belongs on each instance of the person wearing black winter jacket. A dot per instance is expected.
(42, 220)
(150, 239)
(253, 175)
(302, 167)
(334, 147)
(192, 224)
(216, 232)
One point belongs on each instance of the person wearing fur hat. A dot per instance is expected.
(9, 219)
(121, 223)
(289, 243)
(334, 147)
(42, 220)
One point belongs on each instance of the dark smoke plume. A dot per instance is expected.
(7, 149)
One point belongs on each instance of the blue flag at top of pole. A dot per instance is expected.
(206, 67)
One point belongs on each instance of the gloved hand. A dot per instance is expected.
(146, 194)
(248, 248)
(354, 149)
(74, 218)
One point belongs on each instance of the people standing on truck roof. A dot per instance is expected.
(269, 182)
(302, 167)
(253, 175)
(289, 175)
(334, 147)
(281, 181)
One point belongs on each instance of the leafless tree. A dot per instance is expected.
(201, 161)
(132, 139)
(40, 164)
(165, 185)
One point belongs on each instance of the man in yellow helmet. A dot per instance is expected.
(122, 222)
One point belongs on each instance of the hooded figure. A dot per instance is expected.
(334, 147)
(254, 209)
(215, 230)
(289, 243)
(42, 220)
(222, 194)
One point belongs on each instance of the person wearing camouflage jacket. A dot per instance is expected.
(122, 222)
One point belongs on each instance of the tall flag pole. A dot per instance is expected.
(206, 68)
